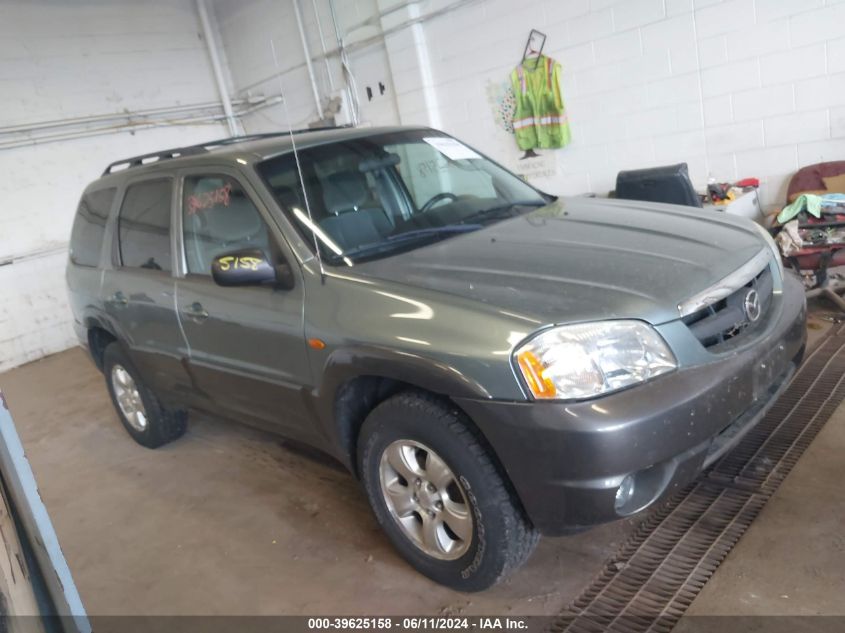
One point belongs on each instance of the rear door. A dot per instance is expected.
(246, 344)
(84, 273)
(139, 289)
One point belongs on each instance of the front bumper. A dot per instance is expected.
(567, 460)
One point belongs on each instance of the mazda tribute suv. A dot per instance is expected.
(493, 363)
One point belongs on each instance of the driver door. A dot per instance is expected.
(246, 345)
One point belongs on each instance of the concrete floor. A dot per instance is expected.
(230, 520)
(791, 561)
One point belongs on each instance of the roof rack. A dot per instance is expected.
(201, 148)
(143, 159)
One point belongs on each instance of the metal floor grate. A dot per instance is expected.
(662, 567)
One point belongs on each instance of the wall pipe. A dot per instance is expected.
(23, 128)
(211, 44)
(351, 87)
(307, 57)
(323, 44)
(23, 132)
(114, 129)
(132, 127)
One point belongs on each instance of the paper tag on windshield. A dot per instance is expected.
(450, 147)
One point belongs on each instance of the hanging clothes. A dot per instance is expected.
(540, 120)
(808, 201)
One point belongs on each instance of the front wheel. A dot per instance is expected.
(436, 492)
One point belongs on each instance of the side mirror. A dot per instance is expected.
(249, 268)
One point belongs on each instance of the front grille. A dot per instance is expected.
(728, 319)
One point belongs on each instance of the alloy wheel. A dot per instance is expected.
(128, 398)
(426, 499)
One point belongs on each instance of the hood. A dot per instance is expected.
(581, 259)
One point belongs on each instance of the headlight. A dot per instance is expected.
(590, 359)
(773, 245)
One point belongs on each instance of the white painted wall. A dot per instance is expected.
(735, 88)
(68, 59)
(247, 29)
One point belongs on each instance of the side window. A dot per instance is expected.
(353, 196)
(217, 218)
(144, 227)
(86, 238)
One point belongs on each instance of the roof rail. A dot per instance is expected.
(143, 159)
(200, 148)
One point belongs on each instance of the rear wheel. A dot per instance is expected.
(438, 495)
(142, 414)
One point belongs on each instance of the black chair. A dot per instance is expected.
(670, 184)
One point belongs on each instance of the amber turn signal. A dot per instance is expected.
(535, 375)
(316, 343)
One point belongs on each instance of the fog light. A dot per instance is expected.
(624, 492)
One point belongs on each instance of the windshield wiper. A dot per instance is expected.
(393, 241)
(503, 210)
(435, 230)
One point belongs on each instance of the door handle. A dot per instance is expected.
(119, 299)
(196, 312)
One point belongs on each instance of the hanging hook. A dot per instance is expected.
(531, 47)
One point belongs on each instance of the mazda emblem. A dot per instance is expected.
(752, 305)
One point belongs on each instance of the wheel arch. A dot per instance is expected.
(356, 380)
(99, 337)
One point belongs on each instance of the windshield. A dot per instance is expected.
(377, 196)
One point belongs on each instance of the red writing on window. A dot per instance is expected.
(208, 199)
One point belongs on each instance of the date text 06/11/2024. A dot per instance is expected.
(418, 623)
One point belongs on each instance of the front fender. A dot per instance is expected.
(349, 363)
(436, 376)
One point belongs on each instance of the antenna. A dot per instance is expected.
(298, 166)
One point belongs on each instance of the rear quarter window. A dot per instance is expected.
(144, 226)
(89, 226)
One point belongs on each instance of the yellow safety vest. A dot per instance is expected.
(540, 119)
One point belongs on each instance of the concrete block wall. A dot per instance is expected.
(247, 29)
(246, 32)
(735, 88)
(60, 60)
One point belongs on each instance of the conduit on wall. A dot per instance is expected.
(351, 87)
(27, 134)
(323, 44)
(364, 43)
(307, 52)
(35, 133)
(214, 57)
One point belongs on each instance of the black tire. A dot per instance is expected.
(502, 537)
(162, 425)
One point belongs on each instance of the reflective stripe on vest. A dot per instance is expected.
(522, 82)
(531, 121)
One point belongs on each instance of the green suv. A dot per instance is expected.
(491, 362)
